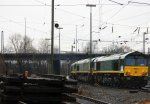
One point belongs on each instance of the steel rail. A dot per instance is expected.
(88, 99)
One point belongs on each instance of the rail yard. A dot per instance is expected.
(111, 79)
(75, 52)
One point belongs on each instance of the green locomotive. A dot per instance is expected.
(128, 69)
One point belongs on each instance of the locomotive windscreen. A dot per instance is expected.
(135, 61)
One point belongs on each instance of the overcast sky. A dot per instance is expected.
(123, 16)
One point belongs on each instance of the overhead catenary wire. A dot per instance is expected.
(141, 14)
(104, 22)
(123, 6)
(111, 41)
(11, 5)
(45, 4)
(139, 3)
(18, 23)
(116, 2)
(22, 5)
(40, 2)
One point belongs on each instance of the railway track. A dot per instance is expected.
(146, 88)
(131, 90)
(88, 98)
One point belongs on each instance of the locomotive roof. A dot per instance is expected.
(83, 61)
(110, 57)
(117, 56)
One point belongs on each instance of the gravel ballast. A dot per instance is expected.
(113, 95)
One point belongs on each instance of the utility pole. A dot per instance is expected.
(113, 45)
(144, 42)
(25, 38)
(57, 27)
(52, 37)
(48, 49)
(76, 39)
(72, 48)
(59, 40)
(2, 42)
(90, 5)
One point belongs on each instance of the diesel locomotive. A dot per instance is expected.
(128, 69)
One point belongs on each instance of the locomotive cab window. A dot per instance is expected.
(141, 61)
(77, 68)
(92, 64)
(98, 64)
(72, 68)
(130, 61)
(136, 60)
(115, 65)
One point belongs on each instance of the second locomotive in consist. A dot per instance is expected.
(129, 69)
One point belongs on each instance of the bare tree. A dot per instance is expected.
(20, 45)
(116, 49)
(87, 47)
(16, 42)
(45, 47)
(29, 48)
(9, 49)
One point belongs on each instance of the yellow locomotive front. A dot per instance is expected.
(136, 69)
(136, 65)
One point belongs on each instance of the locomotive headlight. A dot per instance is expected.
(144, 73)
(128, 73)
(67, 77)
